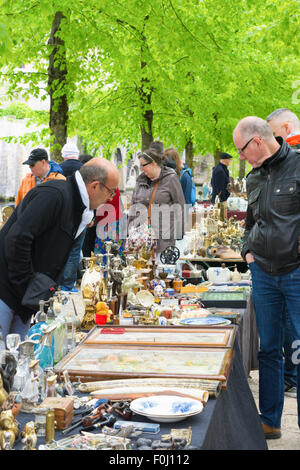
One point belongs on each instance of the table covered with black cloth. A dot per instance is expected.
(228, 422)
(247, 335)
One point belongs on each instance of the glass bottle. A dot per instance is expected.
(40, 319)
(2, 344)
(62, 313)
(60, 331)
(26, 349)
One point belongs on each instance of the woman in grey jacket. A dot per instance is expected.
(167, 209)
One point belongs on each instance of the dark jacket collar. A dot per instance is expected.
(279, 155)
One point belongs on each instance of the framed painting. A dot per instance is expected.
(163, 336)
(224, 299)
(119, 361)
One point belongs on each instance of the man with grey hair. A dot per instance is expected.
(40, 233)
(271, 249)
(284, 123)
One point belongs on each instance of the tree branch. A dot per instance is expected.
(22, 11)
(186, 28)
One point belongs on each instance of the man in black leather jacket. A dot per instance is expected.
(285, 123)
(271, 248)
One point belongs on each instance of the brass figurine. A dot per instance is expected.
(8, 425)
(29, 436)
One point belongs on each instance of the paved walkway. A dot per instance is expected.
(290, 439)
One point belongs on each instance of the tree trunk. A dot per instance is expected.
(146, 129)
(242, 169)
(145, 93)
(217, 156)
(57, 73)
(189, 154)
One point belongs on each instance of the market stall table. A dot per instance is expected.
(228, 422)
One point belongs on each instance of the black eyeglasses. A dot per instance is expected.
(142, 165)
(245, 146)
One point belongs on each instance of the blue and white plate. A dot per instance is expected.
(205, 321)
(166, 408)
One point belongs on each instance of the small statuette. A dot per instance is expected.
(29, 436)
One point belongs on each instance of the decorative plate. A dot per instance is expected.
(145, 298)
(205, 321)
(166, 408)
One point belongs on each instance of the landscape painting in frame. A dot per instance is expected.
(111, 361)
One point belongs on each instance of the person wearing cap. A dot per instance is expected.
(220, 179)
(42, 169)
(71, 163)
(39, 235)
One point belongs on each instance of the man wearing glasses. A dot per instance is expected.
(39, 235)
(271, 250)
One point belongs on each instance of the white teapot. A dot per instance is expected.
(218, 274)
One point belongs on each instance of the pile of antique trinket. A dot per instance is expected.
(213, 235)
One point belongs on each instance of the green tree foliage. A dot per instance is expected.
(184, 71)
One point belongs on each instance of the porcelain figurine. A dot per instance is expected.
(30, 393)
(236, 275)
(29, 436)
(129, 285)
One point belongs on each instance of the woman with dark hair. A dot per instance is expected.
(158, 186)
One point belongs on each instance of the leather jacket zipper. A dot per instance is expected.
(268, 228)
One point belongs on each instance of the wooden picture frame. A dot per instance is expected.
(216, 337)
(102, 362)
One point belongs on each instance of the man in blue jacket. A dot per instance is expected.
(220, 179)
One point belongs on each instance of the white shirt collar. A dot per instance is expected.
(87, 214)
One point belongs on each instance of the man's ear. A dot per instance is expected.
(94, 184)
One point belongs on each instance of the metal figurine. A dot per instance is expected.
(109, 281)
(3, 392)
(117, 276)
(29, 436)
(9, 426)
(8, 369)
